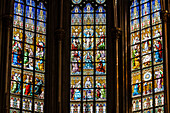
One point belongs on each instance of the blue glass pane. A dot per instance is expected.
(88, 8)
(156, 5)
(41, 6)
(145, 9)
(41, 15)
(134, 3)
(143, 1)
(135, 12)
(30, 2)
(100, 10)
(18, 9)
(76, 19)
(30, 12)
(21, 1)
(76, 10)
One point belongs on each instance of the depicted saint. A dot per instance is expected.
(19, 9)
(100, 68)
(101, 43)
(88, 83)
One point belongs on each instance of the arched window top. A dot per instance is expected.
(88, 8)
(27, 83)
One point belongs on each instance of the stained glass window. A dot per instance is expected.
(88, 60)
(27, 84)
(147, 78)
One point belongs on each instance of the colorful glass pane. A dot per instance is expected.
(30, 12)
(100, 10)
(88, 19)
(75, 107)
(30, 2)
(147, 74)
(29, 37)
(143, 1)
(145, 9)
(101, 18)
(156, 5)
(18, 21)
(88, 8)
(135, 38)
(75, 82)
(100, 1)
(135, 51)
(88, 43)
(134, 12)
(41, 27)
(100, 82)
(76, 19)
(134, 3)
(18, 9)
(136, 77)
(76, 9)
(145, 21)
(88, 31)
(134, 25)
(156, 18)
(41, 6)
(76, 1)
(157, 31)
(29, 24)
(41, 15)
(76, 31)
(17, 34)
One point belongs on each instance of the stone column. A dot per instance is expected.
(117, 34)
(165, 15)
(5, 61)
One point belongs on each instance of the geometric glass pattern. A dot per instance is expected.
(147, 77)
(27, 80)
(88, 60)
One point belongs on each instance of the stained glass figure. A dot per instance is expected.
(88, 57)
(134, 12)
(27, 82)
(30, 12)
(145, 9)
(18, 21)
(156, 18)
(136, 77)
(18, 9)
(135, 38)
(156, 5)
(134, 25)
(145, 21)
(146, 40)
(17, 34)
(41, 15)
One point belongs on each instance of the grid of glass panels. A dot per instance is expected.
(88, 61)
(27, 84)
(147, 78)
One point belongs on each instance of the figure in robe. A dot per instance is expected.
(77, 94)
(41, 16)
(19, 9)
(158, 53)
(88, 44)
(101, 44)
(88, 57)
(27, 89)
(98, 94)
(88, 83)
(75, 68)
(101, 56)
(100, 68)
(38, 87)
(136, 90)
(98, 85)
(30, 13)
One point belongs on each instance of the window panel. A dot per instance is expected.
(88, 57)
(27, 85)
(147, 79)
